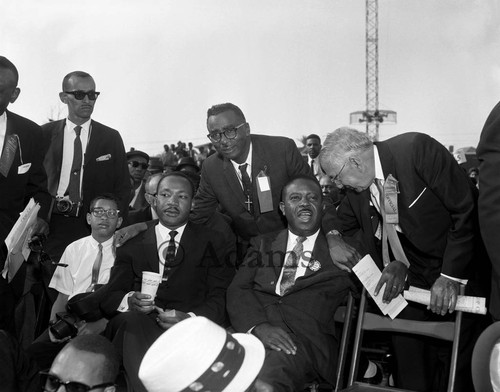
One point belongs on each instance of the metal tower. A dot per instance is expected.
(372, 115)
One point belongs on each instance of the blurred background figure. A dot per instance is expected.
(138, 163)
(168, 157)
(474, 176)
(313, 147)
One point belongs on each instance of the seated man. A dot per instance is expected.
(147, 213)
(287, 290)
(88, 362)
(193, 261)
(89, 261)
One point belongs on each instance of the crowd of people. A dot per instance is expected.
(250, 243)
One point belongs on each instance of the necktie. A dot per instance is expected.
(76, 168)
(9, 152)
(247, 187)
(290, 267)
(169, 255)
(95, 269)
(313, 168)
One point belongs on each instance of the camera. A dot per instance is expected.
(65, 326)
(64, 206)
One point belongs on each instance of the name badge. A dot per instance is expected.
(264, 192)
(391, 190)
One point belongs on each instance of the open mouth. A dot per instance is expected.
(305, 214)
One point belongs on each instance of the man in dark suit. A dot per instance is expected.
(249, 199)
(22, 176)
(83, 159)
(313, 147)
(287, 290)
(138, 163)
(194, 261)
(147, 213)
(488, 153)
(433, 209)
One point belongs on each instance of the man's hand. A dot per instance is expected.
(93, 327)
(394, 276)
(41, 227)
(275, 338)
(343, 255)
(444, 294)
(126, 233)
(167, 319)
(142, 303)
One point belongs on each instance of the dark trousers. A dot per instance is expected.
(132, 334)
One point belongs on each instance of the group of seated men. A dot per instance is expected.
(253, 248)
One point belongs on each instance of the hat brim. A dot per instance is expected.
(482, 355)
(250, 368)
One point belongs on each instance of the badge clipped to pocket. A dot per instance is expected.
(264, 191)
(391, 190)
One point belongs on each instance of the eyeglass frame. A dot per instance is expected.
(219, 133)
(74, 93)
(336, 179)
(45, 374)
(93, 211)
(135, 164)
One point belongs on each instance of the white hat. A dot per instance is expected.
(198, 355)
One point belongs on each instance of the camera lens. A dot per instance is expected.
(63, 205)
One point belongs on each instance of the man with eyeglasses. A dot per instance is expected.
(149, 212)
(245, 177)
(86, 363)
(88, 263)
(83, 159)
(411, 186)
(138, 162)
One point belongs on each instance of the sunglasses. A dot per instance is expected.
(80, 95)
(52, 383)
(229, 133)
(143, 165)
(100, 212)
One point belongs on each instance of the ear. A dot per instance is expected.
(247, 132)
(282, 208)
(356, 162)
(88, 218)
(119, 222)
(15, 95)
(63, 97)
(111, 388)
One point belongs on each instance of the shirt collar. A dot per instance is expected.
(85, 126)
(248, 160)
(105, 244)
(292, 238)
(379, 173)
(165, 231)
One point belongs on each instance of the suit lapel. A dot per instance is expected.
(233, 181)
(53, 159)
(276, 252)
(150, 250)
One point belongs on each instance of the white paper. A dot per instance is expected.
(464, 303)
(369, 274)
(263, 184)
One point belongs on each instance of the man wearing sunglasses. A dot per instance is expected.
(83, 159)
(86, 363)
(138, 163)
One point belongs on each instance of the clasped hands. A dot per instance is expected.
(143, 303)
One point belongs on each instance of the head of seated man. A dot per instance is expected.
(302, 205)
(173, 201)
(88, 362)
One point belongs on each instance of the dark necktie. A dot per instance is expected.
(312, 167)
(95, 269)
(169, 255)
(8, 154)
(76, 168)
(290, 267)
(247, 187)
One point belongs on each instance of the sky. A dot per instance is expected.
(294, 67)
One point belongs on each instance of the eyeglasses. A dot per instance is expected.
(229, 133)
(336, 179)
(52, 383)
(100, 212)
(80, 95)
(143, 165)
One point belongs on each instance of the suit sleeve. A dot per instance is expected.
(205, 200)
(488, 153)
(244, 308)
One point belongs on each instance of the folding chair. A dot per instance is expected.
(445, 330)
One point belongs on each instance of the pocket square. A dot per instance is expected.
(23, 168)
(106, 157)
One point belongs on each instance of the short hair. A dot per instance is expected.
(178, 174)
(306, 177)
(5, 63)
(342, 143)
(314, 136)
(105, 196)
(99, 345)
(78, 74)
(225, 107)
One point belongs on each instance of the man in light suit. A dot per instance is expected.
(102, 167)
(22, 176)
(488, 153)
(287, 295)
(195, 276)
(436, 207)
(270, 162)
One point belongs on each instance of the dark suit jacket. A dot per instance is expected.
(142, 215)
(278, 157)
(197, 284)
(488, 153)
(437, 209)
(16, 189)
(99, 176)
(306, 310)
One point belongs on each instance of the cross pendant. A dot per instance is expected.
(249, 203)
